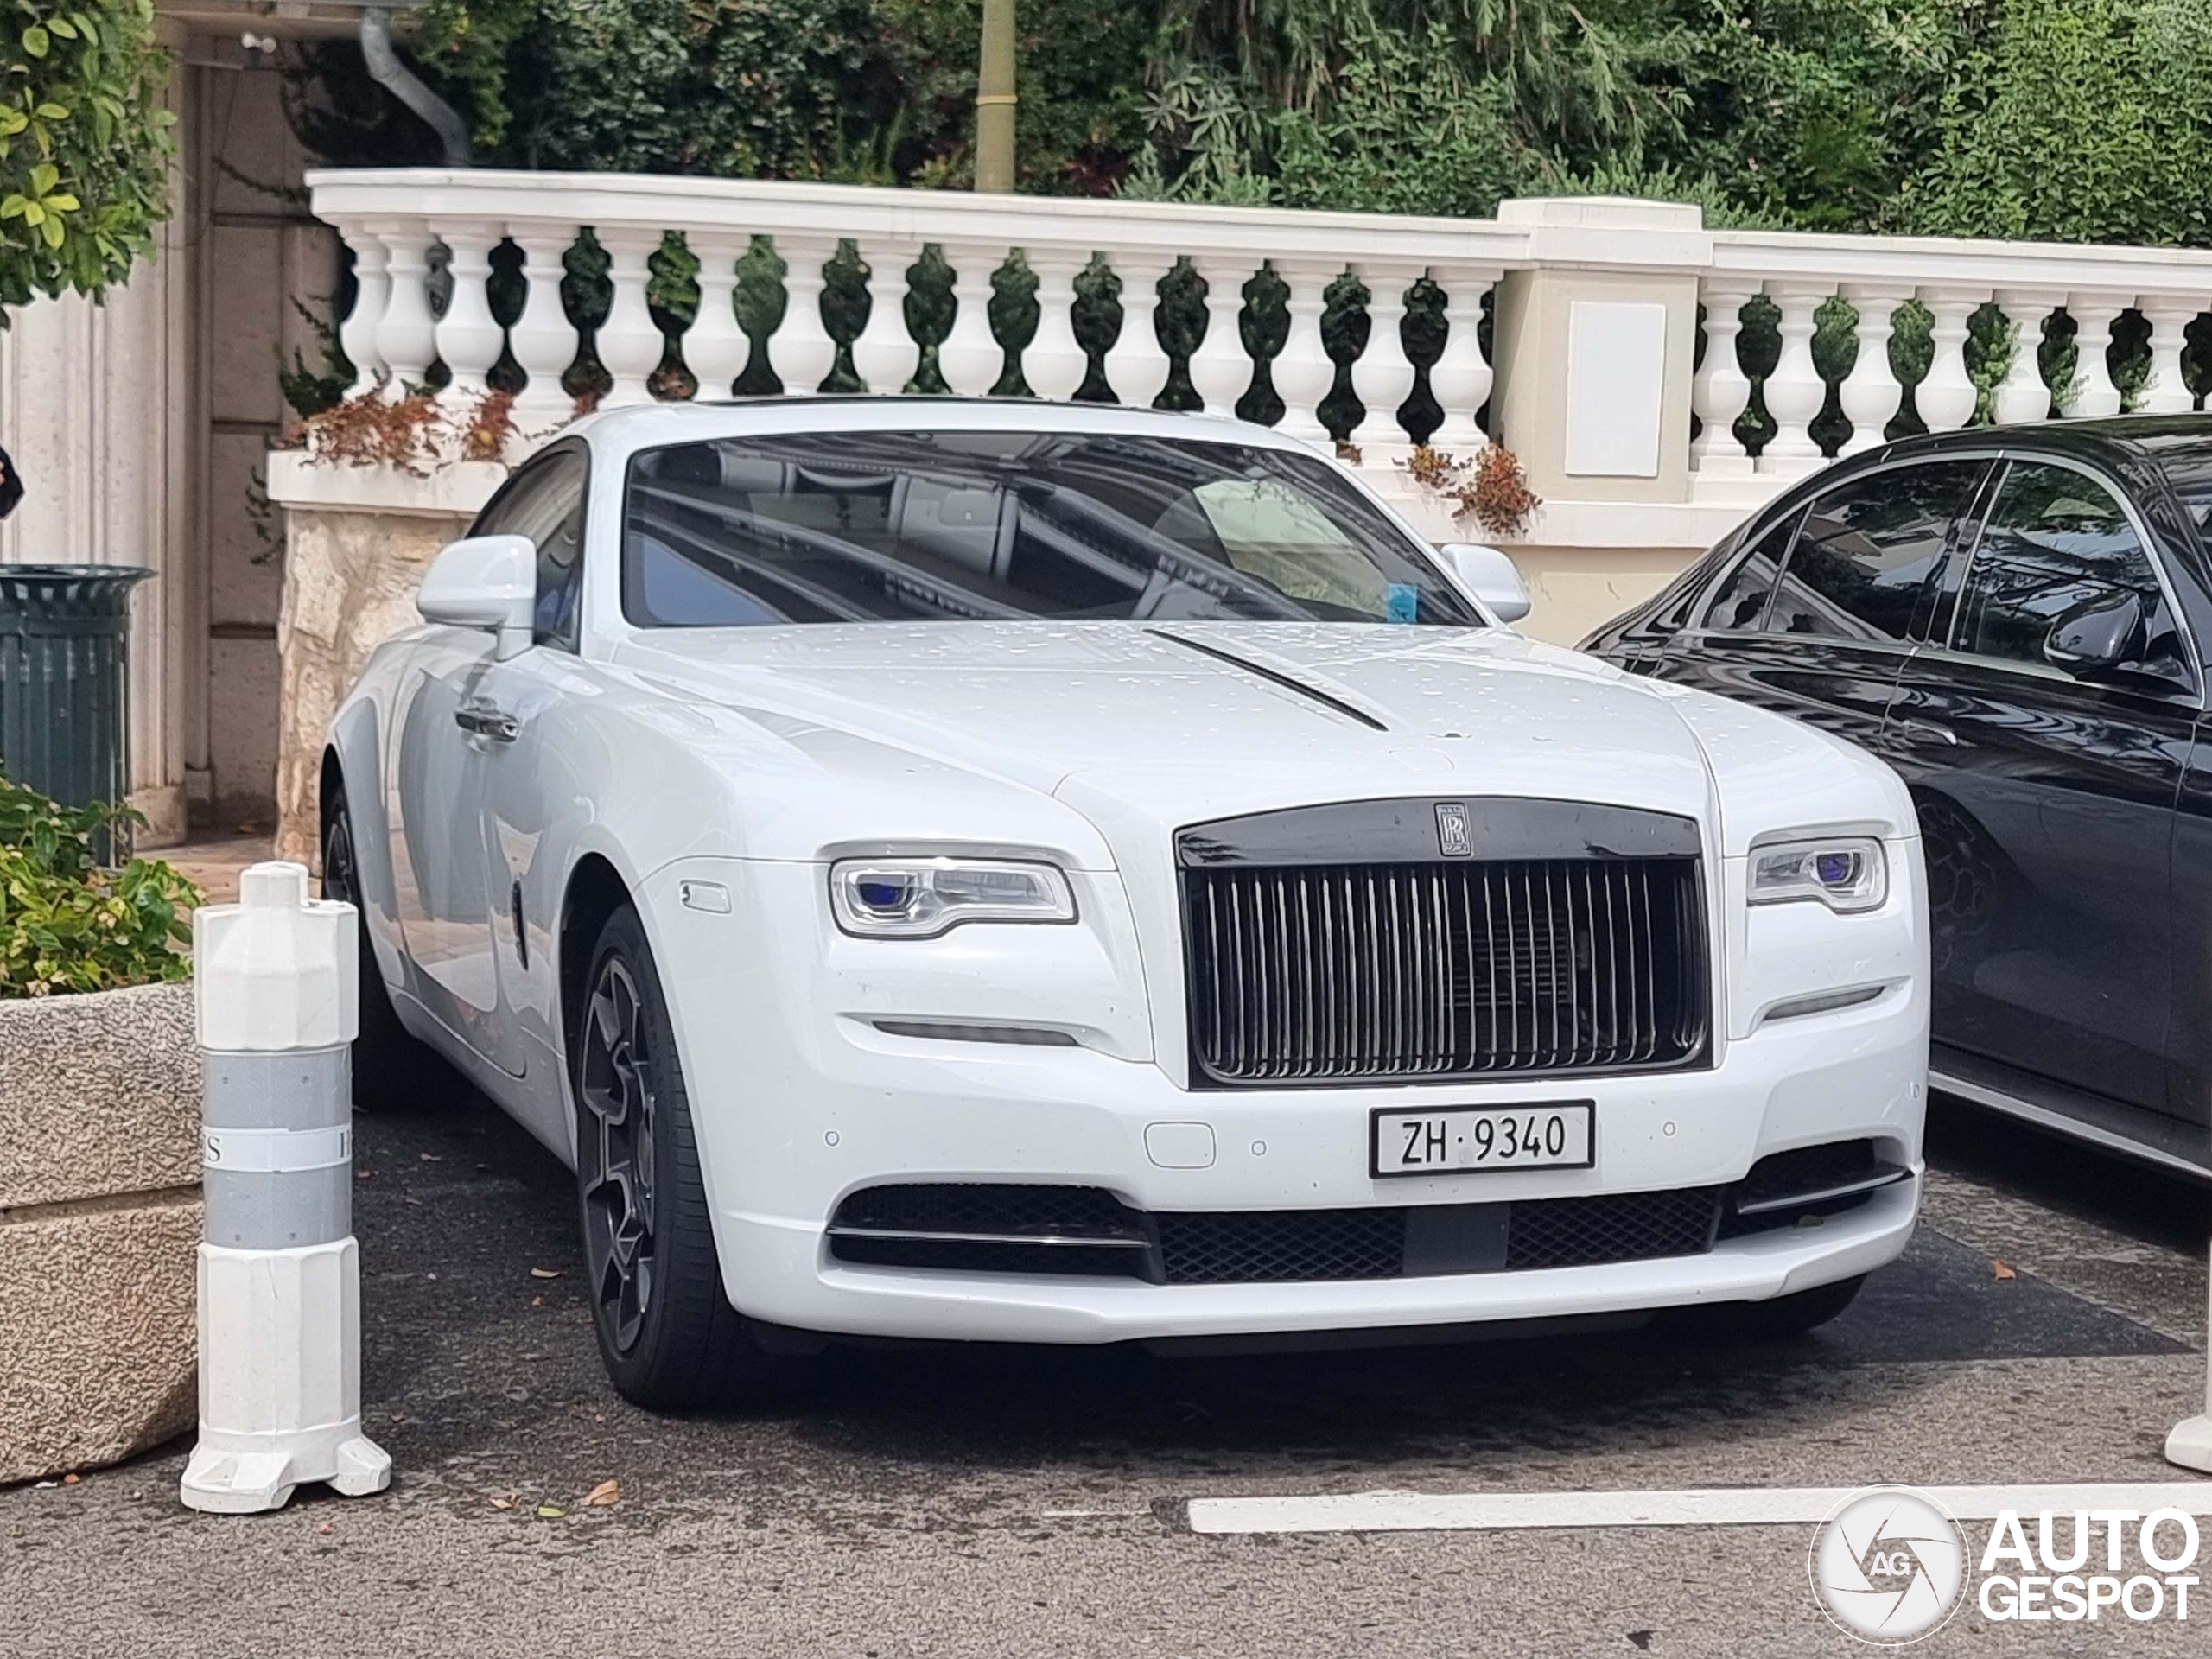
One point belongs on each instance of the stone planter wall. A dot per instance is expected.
(357, 541)
(99, 1227)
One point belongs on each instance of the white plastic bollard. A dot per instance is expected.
(2191, 1443)
(278, 995)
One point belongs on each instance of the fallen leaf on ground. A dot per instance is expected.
(1998, 1270)
(71, 1480)
(431, 1158)
(537, 1301)
(363, 1174)
(545, 1273)
(323, 1528)
(550, 1511)
(607, 1492)
(507, 1503)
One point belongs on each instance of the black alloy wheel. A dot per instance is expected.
(666, 1330)
(615, 1152)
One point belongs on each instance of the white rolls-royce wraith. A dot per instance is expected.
(1001, 871)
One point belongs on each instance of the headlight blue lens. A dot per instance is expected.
(882, 895)
(1834, 868)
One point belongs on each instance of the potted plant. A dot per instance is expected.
(99, 1142)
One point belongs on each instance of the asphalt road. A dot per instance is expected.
(999, 1501)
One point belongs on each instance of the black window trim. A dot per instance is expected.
(1799, 501)
(531, 464)
(1945, 649)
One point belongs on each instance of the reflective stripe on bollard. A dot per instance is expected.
(280, 1293)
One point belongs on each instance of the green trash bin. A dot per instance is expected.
(65, 678)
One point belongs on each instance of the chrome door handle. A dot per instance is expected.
(485, 720)
(1919, 731)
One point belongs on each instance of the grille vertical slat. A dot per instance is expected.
(1314, 973)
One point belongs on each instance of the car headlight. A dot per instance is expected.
(1845, 873)
(920, 898)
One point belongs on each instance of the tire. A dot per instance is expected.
(1773, 1320)
(669, 1336)
(393, 1071)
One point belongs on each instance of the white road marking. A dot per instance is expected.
(1738, 1506)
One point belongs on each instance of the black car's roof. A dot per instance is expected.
(2105, 437)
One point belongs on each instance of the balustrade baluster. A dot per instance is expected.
(1137, 365)
(885, 356)
(1221, 369)
(1795, 392)
(1946, 398)
(630, 344)
(714, 348)
(1053, 362)
(1303, 371)
(469, 337)
(970, 358)
(357, 335)
(407, 334)
(2094, 315)
(2167, 392)
(1383, 378)
(1870, 393)
(2022, 395)
(1720, 390)
(802, 351)
(1460, 380)
(542, 340)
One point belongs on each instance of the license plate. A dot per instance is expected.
(1468, 1140)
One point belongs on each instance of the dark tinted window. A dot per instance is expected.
(1740, 606)
(2189, 471)
(2057, 542)
(931, 526)
(545, 502)
(1868, 548)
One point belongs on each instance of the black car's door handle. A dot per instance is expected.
(1920, 732)
(487, 720)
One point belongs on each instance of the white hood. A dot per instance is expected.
(1139, 727)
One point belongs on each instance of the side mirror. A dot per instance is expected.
(1490, 576)
(485, 582)
(2099, 637)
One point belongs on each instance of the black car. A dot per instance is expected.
(2018, 619)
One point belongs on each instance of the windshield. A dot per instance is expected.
(957, 526)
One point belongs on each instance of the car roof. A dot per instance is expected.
(639, 426)
(2106, 438)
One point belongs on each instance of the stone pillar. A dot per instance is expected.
(1593, 349)
(357, 541)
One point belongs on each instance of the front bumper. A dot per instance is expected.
(797, 1101)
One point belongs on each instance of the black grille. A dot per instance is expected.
(1000, 1230)
(1615, 1227)
(1276, 1246)
(1338, 972)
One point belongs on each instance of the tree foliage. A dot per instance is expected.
(83, 145)
(2049, 118)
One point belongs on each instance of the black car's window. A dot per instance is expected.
(932, 526)
(2057, 541)
(2189, 469)
(1740, 606)
(1868, 548)
(545, 502)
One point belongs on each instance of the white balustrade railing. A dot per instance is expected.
(1952, 279)
(424, 245)
(393, 219)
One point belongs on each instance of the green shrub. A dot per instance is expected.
(83, 145)
(69, 923)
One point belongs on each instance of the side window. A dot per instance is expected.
(545, 502)
(1740, 606)
(2057, 542)
(1868, 549)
